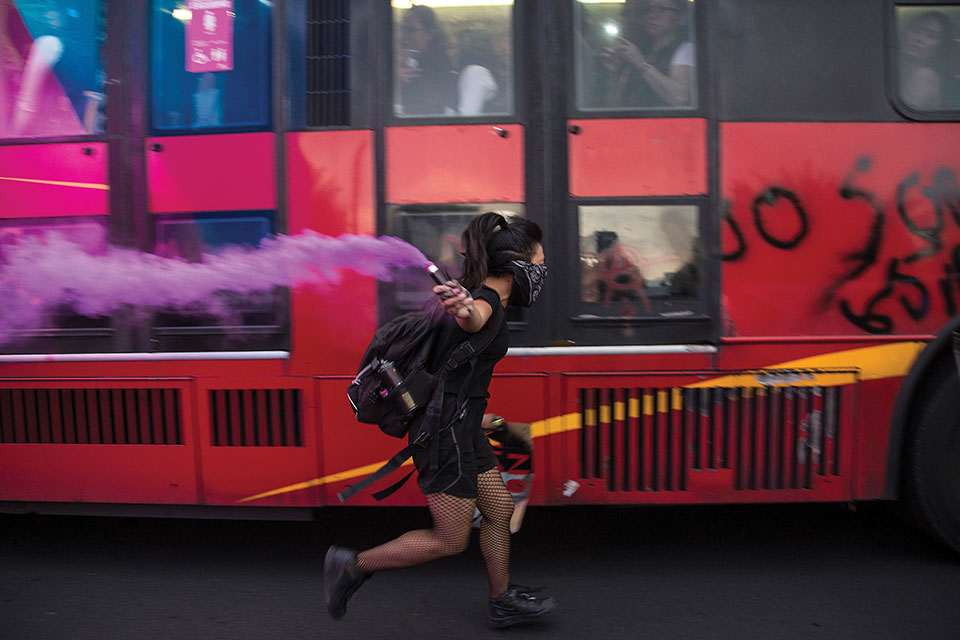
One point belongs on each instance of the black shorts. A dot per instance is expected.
(465, 452)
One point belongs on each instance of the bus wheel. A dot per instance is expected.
(932, 471)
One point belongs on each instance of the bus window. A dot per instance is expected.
(435, 229)
(639, 261)
(51, 73)
(231, 321)
(33, 323)
(635, 54)
(321, 64)
(928, 65)
(210, 65)
(452, 60)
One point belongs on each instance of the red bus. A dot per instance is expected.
(753, 231)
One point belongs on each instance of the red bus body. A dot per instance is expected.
(794, 402)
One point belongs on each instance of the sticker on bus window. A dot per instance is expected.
(210, 35)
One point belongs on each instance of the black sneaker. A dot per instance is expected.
(518, 605)
(341, 579)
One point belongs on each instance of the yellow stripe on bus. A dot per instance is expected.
(871, 363)
(619, 411)
(59, 183)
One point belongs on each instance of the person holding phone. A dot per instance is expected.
(651, 62)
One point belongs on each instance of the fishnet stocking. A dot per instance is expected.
(496, 505)
(449, 536)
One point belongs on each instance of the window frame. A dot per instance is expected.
(892, 69)
(268, 125)
(703, 97)
(700, 327)
(518, 116)
(201, 333)
(108, 54)
(387, 307)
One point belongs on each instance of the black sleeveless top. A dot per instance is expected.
(451, 336)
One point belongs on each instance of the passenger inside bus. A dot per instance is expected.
(928, 62)
(650, 60)
(425, 78)
(483, 84)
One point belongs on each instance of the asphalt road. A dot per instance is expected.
(782, 571)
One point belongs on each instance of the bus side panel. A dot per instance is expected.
(227, 172)
(258, 436)
(839, 228)
(650, 157)
(684, 438)
(46, 180)
(87, 443)
(877, 399)
(467, 163)
(881, 367)
(330, 190)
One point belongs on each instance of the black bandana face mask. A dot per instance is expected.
(527, 282)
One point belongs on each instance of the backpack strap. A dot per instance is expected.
(467, 351)
(389, 467)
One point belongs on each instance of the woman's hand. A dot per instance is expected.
(406, 74)
(454, 299)
(630, 53)
(609, 58)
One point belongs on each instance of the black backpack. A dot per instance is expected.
(395, 391)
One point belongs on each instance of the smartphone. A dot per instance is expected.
(434, 272)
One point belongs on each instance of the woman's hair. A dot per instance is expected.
(633, 21)
(490, 242)
(428, 19)
(476, 47)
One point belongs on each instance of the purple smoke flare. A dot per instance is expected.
(43, 272)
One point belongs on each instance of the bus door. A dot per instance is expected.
(635, 197)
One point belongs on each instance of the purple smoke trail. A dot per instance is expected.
(42, 272)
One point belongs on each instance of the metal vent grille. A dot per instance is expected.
(256, 418)
(649, 439)
(328, 63)
(90, 416)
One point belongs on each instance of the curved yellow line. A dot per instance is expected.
(871, 363)
(58, 183)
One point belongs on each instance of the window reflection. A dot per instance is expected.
(636, 54)
(436, 230)
(51, 74)
(639, 260)
(57, 327)
(225, 81)
(230, 320)
(453, 61)
(928, 64)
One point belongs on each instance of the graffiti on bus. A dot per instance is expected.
(913, 293)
